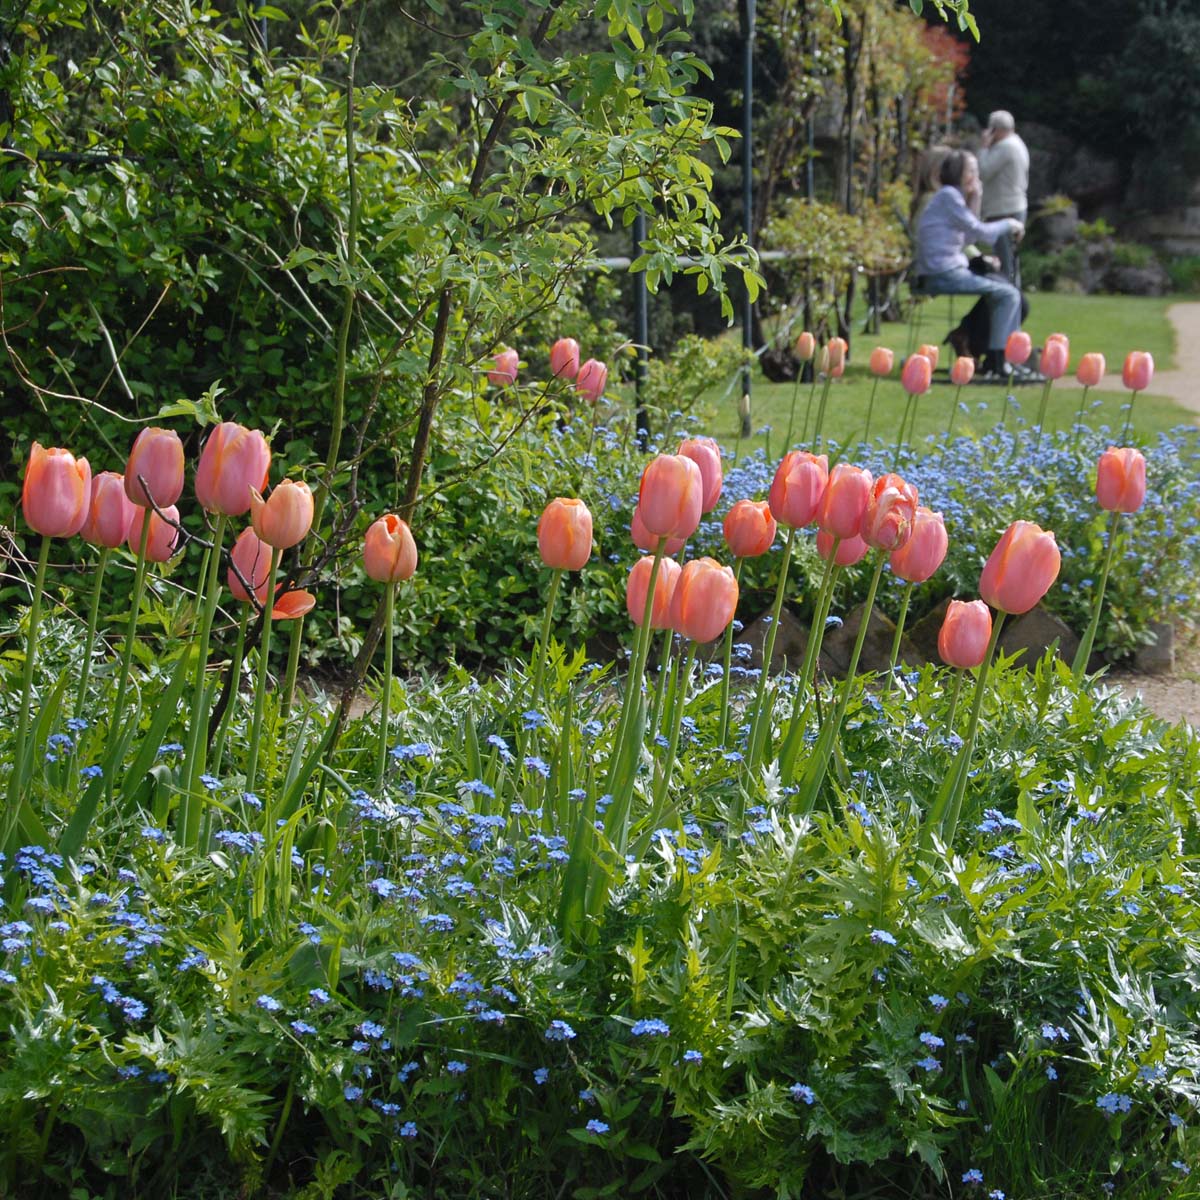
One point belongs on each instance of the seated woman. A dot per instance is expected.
(944, 229)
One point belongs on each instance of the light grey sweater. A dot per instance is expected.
(1004, 169)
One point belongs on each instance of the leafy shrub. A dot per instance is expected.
(1184, 272)
(1131, 254)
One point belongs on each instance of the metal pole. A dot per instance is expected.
(748, 198)
(641, 334)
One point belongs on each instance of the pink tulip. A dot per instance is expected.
(284, 518)
(845, 501)
(931, 352)
(156, 457)
(1091, 370)
(57, 491)
(389, 552)
(799, 484)
(749, 528)
(110, 513)
(671, 496)
(564, 534)
(164, 536)
(888, 521)
(637, 585)
(882, 361)
(591, 380)
(234, 460)
(1021, 568)
(504, 373)
(1121, 480)
(806, 346)
(833, 358)
(1055, 357)
(919, 557)
(916, 375)
(965, 633)
(643, 539)
(252, 556)
(1018, 347)
(963, 371)
(703, 601)
(564, 358)
(849, 550)
(706, 454)
(1138, 371)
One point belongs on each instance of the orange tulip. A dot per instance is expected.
(284, 518)
(1121, 480)
(110, 513)
(57, 491)
(1138, 370)
(849, 550)
(845, 501)
(671, 496)
(564, 534)
(591, 380)
(293, 605)
(799, 484)
(156, 457)
(931, 352)
(164, 536)
(1018, 348)
(234, 460)
(1091, 370)
(963, 371)
(638, 584)
(1055, 357)
(916, 375)
(564, 358)
(643, 539)
(923, 553)
(965, 633)
(504, 372)
(389, 552)
(706, 454)
(882, 361)
(887, 523)
(703, 601)
(806, 346)
(1021, 568)
(833, 358)
(749, 528)
(252, 556)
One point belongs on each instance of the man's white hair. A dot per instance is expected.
(1002, 120)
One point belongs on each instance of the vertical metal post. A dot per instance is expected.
(641, 334)
(748, 196)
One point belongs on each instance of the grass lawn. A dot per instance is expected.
(1113, 325)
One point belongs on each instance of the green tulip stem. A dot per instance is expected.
(385, 698)
(664, 671)
(1041, 417)
(93, 622)
(812, 391)
(296, 635)
(762, 720)
(676, 720)
(1079, 666)
(264, 663)
(866, 437)
(544, 640)
(787, 445)
(950, 423)
(135, 604)
(821, 412)
(1079, 414)
(953, 709)
(24, 752)
(909, 403)
(1128, 421)
(891, 675)
(725, 659)
(235, 666)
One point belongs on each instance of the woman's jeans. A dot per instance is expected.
(1003, 300)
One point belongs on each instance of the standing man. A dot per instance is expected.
(1004, 169)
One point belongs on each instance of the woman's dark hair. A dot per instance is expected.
(954, 165)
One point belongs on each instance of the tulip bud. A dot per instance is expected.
(638, 584)
(1021, 568)
(671, 496)
(389, 552)
(965, 633)
(564, 358)
(564, 534)
(591, 380)
(110, 513)
(706, 454)
(749, 528)
(1055, 357)
(835, 357)
(916, 375)
(703, 601)
(504, 373)
(643, 539)
(963, 371)
(882, 360)
(845, 501)
(156, 457)
(1018, 348)
(888, 520)
(1121, 480)
(57, 491)
(931, 352)
(799, 484)
(1138, 370)
(284, 518)
(806, 346)
(164, 534)
(1091, 370)
(849, 550)
(923, 553)
(234, 460)
(252, 557)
